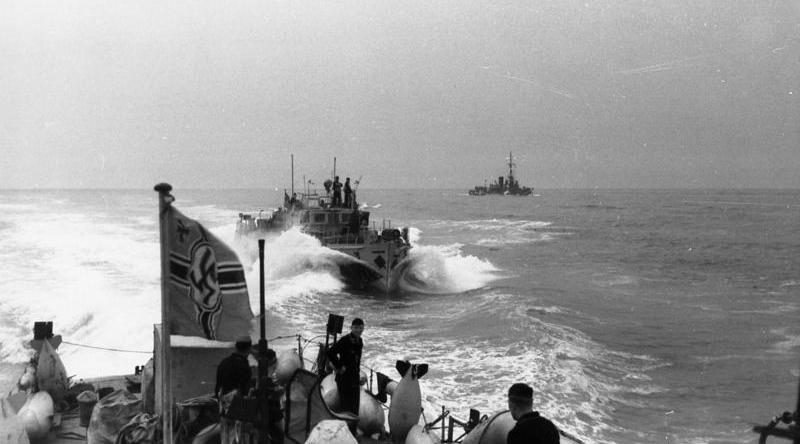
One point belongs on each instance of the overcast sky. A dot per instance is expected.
(414, 93)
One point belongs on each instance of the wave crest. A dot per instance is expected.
(439, 269)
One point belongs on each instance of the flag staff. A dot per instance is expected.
(262, 391)
(164, 201)
(262, 341)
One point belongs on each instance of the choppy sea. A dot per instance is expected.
(638, 316)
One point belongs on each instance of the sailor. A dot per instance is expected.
(233, 379)
(530, 427)
(273, 393)
(293, 201)
(345, 355)
(348, 194)
(337, 192)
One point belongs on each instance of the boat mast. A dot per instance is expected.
(510, 170)
(334, 167)
(292, 174)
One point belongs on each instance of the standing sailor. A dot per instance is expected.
(233, 379)
(348, 194)
(345, 356)
(337, 192)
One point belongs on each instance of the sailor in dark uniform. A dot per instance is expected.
(233, 378)
(531, 428)
(293, 202)
(337, 193)
(348, 194)
(345, 356)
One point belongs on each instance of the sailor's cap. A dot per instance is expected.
(520, 392)
(244, 340)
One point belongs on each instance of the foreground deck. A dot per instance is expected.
(67, 428)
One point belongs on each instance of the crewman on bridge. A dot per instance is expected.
(337, 193)
(348, 194)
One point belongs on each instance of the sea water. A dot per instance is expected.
(638, 316)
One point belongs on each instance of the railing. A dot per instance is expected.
(789, 430)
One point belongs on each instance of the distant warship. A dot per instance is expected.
(504, 185)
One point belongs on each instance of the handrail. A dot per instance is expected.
(771, 429)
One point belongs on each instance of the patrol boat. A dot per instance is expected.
(504, 185)
(375, 256)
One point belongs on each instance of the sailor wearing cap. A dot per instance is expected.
(272, 362)
(530, 427)
(345, 356)
(337, 193)
(233, 373)
(233, 377)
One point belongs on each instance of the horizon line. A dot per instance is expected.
(783, 188)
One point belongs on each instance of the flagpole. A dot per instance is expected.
(262, 341)
(262, 390)
(164, 201)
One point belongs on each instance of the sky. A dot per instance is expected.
(410, 94)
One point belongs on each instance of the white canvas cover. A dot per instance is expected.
(331, 431)
(305, 407)
(141, 429)
(110, 414)
(12, 431)
(492, 431)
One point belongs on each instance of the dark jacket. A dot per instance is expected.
(274, 393)
(347, 352)
(533, 429)
(233, 373)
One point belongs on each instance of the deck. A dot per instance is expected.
(66, 425)
(68, 430)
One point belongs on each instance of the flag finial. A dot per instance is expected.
(163, 187)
